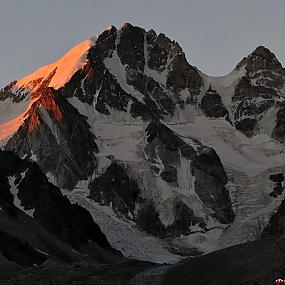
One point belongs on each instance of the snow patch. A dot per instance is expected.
(17, 202)
(115, 66)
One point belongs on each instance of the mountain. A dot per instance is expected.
(158, 153)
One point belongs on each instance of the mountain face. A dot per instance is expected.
(157, 152)
(40, 223)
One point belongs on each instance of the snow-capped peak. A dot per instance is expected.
(64, 68)
(261, 59)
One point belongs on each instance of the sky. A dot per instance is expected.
(215, 34)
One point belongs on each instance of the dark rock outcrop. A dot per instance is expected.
(277, 177)
(131, 46)
(212, 105)
(248, 126)
(279, 129)
(210, 180)
(184, 219)
(278, 188)
(149, 221)
(276, 226)
(115, 187)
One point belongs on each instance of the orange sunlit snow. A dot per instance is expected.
(65, 67)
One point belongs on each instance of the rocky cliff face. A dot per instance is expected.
(135, 71)
(138, 134)
(258, 91)
(212, 105)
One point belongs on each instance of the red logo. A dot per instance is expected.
(280, 281)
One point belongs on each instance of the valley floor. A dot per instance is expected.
(252, 263)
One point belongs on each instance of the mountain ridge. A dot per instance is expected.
(83, 46)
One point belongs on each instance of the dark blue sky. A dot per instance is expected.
(215, 34)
